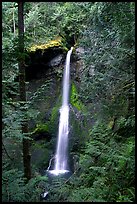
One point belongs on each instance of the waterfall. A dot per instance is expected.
(61, 163)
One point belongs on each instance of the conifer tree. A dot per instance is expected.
(22, 87)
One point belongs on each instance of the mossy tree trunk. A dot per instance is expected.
(22, 87)
(131, 103)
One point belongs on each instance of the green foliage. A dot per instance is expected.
(74, 99)
(54, 118)
(109, 52)
(125, 128)
(106, 32)
(41, 128)
(108, 160)
(14, 189)
(106, 170)
(103, 171)
(69, 16)
(51, 125)
(54, 113)
(72, 15)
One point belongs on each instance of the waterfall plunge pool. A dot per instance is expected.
(51, 174)
(57, 172)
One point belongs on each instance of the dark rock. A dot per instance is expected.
(42, 136)
(38, 63)
(80, 50)
(56, 60)
(43, 196)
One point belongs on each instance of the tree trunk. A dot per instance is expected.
(131, 102)
(14, 27)
(22, 87)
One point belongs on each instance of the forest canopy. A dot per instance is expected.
(36, 37)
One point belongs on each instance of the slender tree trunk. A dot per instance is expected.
(131, 103)
(14, 28)
(22, 86)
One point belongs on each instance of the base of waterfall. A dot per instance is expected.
(53, 174)
(58, 172)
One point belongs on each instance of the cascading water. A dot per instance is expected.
(61, 163)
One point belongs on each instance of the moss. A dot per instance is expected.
(74, 100)
(49, 127)
(41, 128)
(57, 42)
(54, 118)
(55, 110)
(54, 113)
(111, 124)
(40, 155)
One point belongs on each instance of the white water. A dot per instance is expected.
(61, 163)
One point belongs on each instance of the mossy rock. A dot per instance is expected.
(40, 128)
(74, 99)
(57, 42)
(41, 132)
(40, 155)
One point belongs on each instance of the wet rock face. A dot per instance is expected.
(39, 62)
(56, 61)
(43, 69)
(42, 62)
(80, 51)
(45, 81)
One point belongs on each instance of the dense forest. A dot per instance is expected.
(36, 37)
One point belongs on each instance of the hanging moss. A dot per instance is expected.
(54, 113)
(58, 42)
(54, 118)
(49, 127)
(111, 123)
(74, 100)
(40, 128)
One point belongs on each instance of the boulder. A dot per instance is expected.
(56, 60)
